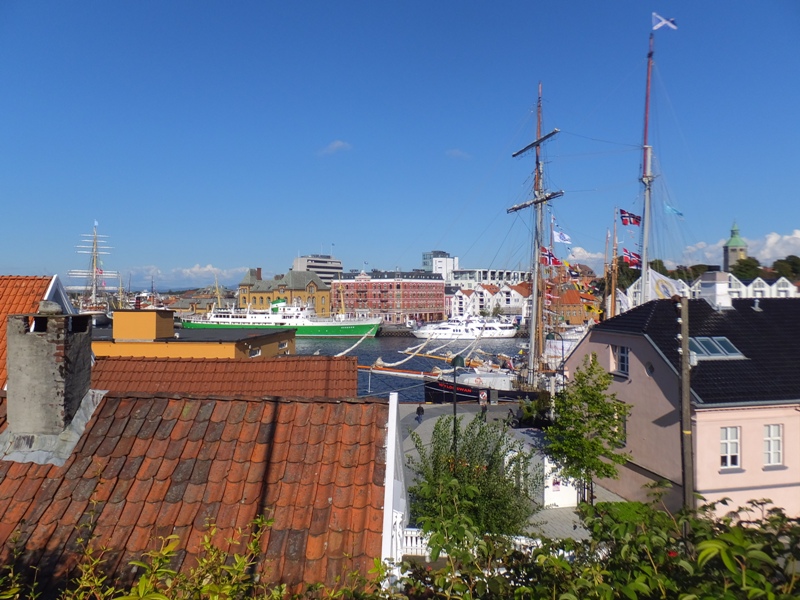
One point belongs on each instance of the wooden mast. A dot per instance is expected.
(540, 197)
(647, 179)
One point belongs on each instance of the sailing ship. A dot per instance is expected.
(528, 383)
(96, 300)
(281, 315)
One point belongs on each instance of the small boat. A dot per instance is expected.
(282, 315)
(466, 328)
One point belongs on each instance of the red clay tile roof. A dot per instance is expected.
(18, 295)
(150, 466)
(303, 376)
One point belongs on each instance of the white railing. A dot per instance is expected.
(415, 543)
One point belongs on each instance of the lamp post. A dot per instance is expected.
(456, 362)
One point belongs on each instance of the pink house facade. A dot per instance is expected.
(745, 397)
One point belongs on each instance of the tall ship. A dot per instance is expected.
(281, 315)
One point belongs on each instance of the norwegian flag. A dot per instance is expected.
(548, 258)
(628, 218)
(631, 258)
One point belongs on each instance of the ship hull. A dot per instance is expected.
(314, 330)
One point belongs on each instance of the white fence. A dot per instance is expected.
(415, 543)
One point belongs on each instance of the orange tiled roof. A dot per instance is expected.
(491, 288)
(154, 466)
(18, 295)
(303, 376)
(524, 289)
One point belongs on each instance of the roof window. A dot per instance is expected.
(710, 348)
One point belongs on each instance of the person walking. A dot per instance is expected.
(420, 412)
(484, 409)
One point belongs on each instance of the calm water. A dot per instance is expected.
(389, 350)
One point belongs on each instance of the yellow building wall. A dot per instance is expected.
(276, 345)
(143, 324)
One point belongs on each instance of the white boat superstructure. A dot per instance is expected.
(467, 328)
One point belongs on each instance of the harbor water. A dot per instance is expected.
(390, 351)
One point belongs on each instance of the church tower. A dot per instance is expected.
(734, 249)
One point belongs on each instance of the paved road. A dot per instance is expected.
(557, 523)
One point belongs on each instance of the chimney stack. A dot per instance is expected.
(714, 289)
(49, 369)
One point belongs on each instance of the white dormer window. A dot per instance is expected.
(714, 348)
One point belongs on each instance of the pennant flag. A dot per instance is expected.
(628, 218)
(573, 273)
(659, 22)
(631, 258)
(560, 236)
(672, 210)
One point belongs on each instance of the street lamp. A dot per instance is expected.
(456, 362)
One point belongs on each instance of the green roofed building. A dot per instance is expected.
(734, 249)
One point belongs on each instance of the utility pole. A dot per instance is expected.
(687, 445)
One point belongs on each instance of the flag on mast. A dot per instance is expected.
(628, 218)
(659, 22)
(560, 236)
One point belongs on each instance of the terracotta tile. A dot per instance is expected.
(139, 447)
(233, 492)
(362, 474)
(54, 511)
(194, 493)
(252, 492)
(249, 432)
(219, 471)
(176, 491)
(237, 471)
(83, 490)
(227, 515)
(148, 469)
(120, 490)
(266, 433)
(140, 540)
(360, 497)
(113, 467)
(205, 515)
(173, 410)
(181, 429)
(107, 446)
(197, 431)
(214, 431)
(140, 490)
(343, 496)
(164, 429)
(131, 513)
(167, 467)
(131, 467)
(257, 471)
(320, 520)
(208, 450)
(27, 490)
(297, 452)
(149, 515)
(168, 512)
(236, 413)
(231, 431)
(220, 413)
(293, 473)
(187, 514)
(191, 449)
(183, 471)
(158, 491)
(103, 490)
(213, 492)
(175, 448)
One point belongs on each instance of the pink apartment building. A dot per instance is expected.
(745, 394)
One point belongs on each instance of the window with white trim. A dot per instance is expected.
(729, 450)
(773, 445)
(620, 359)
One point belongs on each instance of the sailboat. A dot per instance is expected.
(94, 301)
(510, 384)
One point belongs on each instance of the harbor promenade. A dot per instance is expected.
(555, 523)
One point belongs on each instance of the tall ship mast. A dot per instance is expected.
(647, 177)
(540, 198)
(96, 246)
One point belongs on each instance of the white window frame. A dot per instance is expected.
(773, 445)
(730, 447)
(621, 356)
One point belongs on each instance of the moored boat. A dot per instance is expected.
(466, 328)
(282, 315)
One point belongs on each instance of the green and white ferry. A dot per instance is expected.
(282, 315)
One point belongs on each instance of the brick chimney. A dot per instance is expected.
(49, 369)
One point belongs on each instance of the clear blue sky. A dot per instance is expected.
(208, 137)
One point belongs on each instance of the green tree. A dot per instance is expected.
(746, 269)
(489, 461)
(585, 438)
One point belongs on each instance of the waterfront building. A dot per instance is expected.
(471, 278)
(304, 288)
(396, 296)
(326, 266)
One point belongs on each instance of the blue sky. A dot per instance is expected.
(209, 137)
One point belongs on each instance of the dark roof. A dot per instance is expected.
(156, 465)
(303, 376)
(766, 331)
